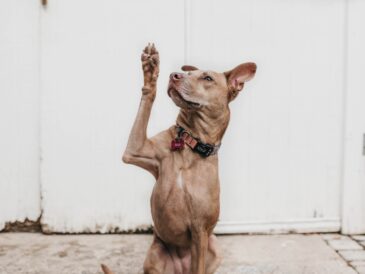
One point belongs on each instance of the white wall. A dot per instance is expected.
(19, 111)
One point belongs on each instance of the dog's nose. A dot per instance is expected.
(176, 76)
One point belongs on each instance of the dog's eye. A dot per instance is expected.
(208, 78)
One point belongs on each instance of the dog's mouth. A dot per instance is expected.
(173, 92)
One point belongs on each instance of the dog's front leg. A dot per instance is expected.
(199, 251)
(140, 150)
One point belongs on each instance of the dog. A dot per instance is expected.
(184, 161)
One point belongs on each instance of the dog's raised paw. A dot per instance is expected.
(150, 64)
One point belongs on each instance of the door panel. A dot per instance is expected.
(353, 205)
(281, 156)
(19, 111)
(92, 83)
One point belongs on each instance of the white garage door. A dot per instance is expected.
(281, 156)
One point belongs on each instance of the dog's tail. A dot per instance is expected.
(105, 269)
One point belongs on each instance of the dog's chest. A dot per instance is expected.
(186, 186)
(185, 169)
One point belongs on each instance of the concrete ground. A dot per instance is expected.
(261, 254)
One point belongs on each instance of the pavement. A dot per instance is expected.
(124, 253)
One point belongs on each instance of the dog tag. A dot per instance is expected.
(177, 144)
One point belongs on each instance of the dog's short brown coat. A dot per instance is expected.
(185, 198)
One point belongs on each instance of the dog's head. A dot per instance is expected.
(203, 89)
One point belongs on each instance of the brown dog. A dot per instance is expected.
(185, 198)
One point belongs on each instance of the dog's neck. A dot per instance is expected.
(203, 126)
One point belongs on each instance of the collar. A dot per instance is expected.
(194, 143)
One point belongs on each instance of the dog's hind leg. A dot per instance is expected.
(158, 259)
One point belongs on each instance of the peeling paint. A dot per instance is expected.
(111, 229)
(23, 226)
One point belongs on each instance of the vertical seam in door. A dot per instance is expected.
(344, 107)
(187, 30)
(40, 94)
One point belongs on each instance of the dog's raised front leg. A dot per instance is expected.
(140, 150)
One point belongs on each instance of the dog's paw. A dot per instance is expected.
(150, 64)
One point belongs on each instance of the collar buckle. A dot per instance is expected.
(204, 150)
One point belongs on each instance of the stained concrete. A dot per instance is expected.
(261, 254)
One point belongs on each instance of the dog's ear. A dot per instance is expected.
(237, 77)
(188, 68)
